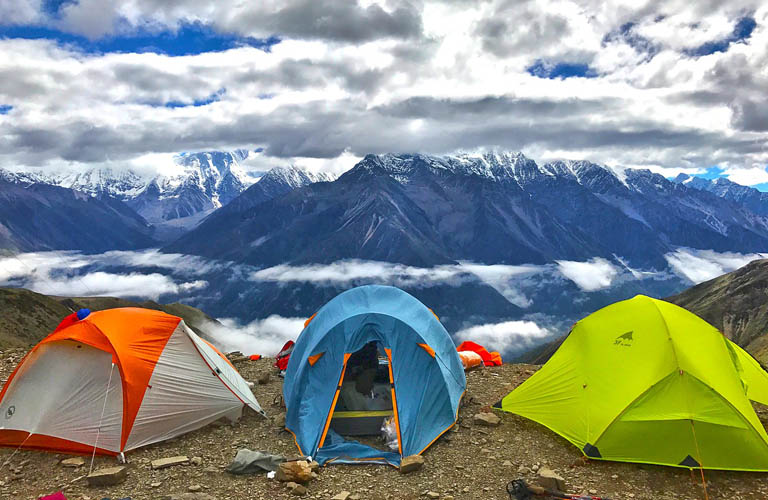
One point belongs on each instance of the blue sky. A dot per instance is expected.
(187, 39)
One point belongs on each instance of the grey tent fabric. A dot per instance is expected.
(254, 462)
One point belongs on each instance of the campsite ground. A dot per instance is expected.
(468, 462)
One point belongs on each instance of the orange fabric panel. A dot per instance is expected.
(335, 398)
(16, 439)
(394, 401)
(136, 337)
(489, 358)
(309, 320)
(314, 358)
(254, 357)
(470, 359)
(429, 350)
(433, 312)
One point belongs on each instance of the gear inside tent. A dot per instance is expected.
(646, 381)
(116, 380)
(372, 358)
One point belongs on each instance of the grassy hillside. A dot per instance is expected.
(26, 317)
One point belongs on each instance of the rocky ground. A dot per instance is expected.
(472, 461)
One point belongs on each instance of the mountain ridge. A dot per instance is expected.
(493, 208)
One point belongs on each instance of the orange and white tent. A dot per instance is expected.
(116, 380)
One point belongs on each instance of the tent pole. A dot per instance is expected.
(103, 409)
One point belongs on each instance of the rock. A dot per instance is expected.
(196, 460)
(195, 487)
(110, 476)
(73, 462)
(486, 419)
(155, 485)
(411, 464)
(297, 471)
(162, 463)
(314, 466)
(432, 494)
(550, 480)
(344, 495)
(506, 463)
(524, 470)
(263, 378)
(296, 489)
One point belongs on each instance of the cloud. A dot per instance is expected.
(590, 276)
(264, 336)
(509, 336)
(703, 265)
(68, 274)
(150, 286)
(351, 78)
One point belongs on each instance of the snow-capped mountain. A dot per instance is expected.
(497, 207)
(197, 183)
(751, 198)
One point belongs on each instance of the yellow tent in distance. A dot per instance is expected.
(646, 381)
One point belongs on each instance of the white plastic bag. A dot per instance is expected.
(389, 433)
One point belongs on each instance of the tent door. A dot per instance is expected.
(335, 398)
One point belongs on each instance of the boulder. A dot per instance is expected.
(550, 480)
(487, 419)
(297, 471)
(162, 463)
(432, 494)
(263, 378)
(110, 476)
(344, 495)
(411, 464)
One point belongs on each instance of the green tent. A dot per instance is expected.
(646, 381)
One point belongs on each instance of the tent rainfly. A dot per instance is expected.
(115, 380)
(646, 381)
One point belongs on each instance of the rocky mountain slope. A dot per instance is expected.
(736, 304)
(43, 217)
(26, 317)
(494, 208)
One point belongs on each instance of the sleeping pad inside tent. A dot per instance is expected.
(646, 381)
(370, 354)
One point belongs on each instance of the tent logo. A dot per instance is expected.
(9, 413)
(624, 340)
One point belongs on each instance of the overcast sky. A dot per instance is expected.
(675, 85)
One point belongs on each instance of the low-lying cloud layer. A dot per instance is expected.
(262, 336)
(509, 336)
(704, 265)
(539, 290)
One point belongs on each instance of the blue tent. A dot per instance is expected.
(426, 374)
